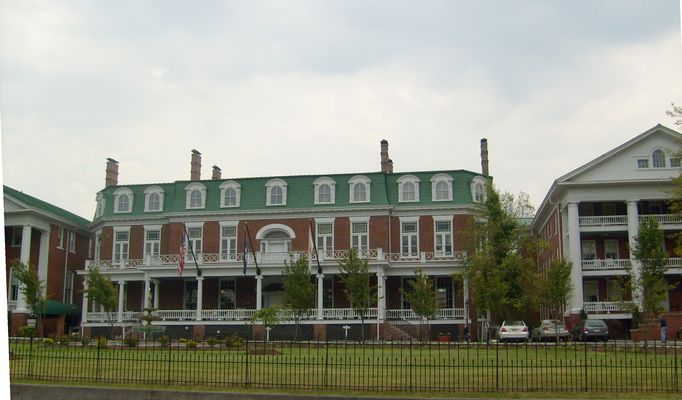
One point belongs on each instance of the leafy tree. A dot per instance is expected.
(355, 276)
(299, 290)
(102, 291)
(557, 287)
(268, 316)
(675, 113)
(33, 290)
(421, 296)
(648, 285)
(502, 268)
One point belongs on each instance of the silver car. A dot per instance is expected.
(512, 330)
(549, 329)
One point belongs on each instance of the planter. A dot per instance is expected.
(443, 338)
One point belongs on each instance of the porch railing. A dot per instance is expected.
(605, 265)
(603, 307)
(442, 313)
(663, 218)
(603, 220)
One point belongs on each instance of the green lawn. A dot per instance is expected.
(396, 368)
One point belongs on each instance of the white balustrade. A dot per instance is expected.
(605, 306)
(605, 265)
(442, 313)
(604, 220)
(663, 218)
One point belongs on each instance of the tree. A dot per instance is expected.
(557, 287)
(502, 268)
(33, 290)
(268, 316)
(299, 290)
(355, 276)
(676, 112)
(102, 291)
(648, 285)
(421, 296)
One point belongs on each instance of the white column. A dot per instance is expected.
(381, 295)
(465, 293)
(633, 231)
(147, 290)
(84, 310)
(259, 292)
(43, 257)
(575, 257)
(320, 296)
(121, 295)
(200, 296)
(157, 284)
(25, 258)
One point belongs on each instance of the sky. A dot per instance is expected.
(275, 88)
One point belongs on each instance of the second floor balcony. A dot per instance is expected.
(621, 221)
(621, 266)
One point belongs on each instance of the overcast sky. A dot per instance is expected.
(266, 88)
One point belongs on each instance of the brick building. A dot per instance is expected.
(56, 243)
(399, 221)
(591, 215)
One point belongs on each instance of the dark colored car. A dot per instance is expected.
(590, 329)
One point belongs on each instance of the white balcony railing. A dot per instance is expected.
(604, 220)
(346, 313)
(663, 219)
(605, 265)
(604, 307)
(443, 313)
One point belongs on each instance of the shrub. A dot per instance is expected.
(234, 341)
(191, 344)
(102, 341)
(85, 341)
(211, 341)
(182, 340)
(131, 341)
(63, 340)
(164, 341)
(28, 331)
(48, 342)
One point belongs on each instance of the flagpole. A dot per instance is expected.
(317, 256)
(253, 253)
(191, 250)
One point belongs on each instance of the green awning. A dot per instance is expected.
(59, 308)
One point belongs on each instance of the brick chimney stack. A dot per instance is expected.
(216, 173)
(484, 157)
(111, 178)
(386, 163)
(195, 172)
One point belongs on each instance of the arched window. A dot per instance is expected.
(123, 200)
(153, 199)
(195, 198)
(658, 158)
(441, 187)
(276, 196)
(324, 194)
(359, 192)
(408, 188)
(478, 189)
(276, 192)
(359, 189)
(230, 191)
(196, 195)
(324, 190)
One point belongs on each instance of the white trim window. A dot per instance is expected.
(324, 238)
(359, 236)
(441, 187)
(195, 196)
(478, 194)
(153, 199)
(60, 237)
(442, 236)
(228, 241)
(152, 242)
(195, 235)
(14, 283)
(17, 232)
(123, 200)
(230, 194)
(68, 287)
(121, 245)
(325, 190)
(98, 244)
(276, 192)
(359, 189)
(588, 250)
(408, 189)
(658, 158)
(409, 237)
(101, 202)
(72, 241)
(189, 296)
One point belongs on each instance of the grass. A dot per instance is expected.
(566, 368)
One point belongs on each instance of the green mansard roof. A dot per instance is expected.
(300, 193)
(46, 207)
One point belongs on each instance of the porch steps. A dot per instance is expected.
(395, 330)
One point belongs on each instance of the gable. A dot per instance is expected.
(12, 206)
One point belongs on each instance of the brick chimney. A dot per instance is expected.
(195, 172)
(484, 157)
(386, 163)
(111, 178)
(216, 173)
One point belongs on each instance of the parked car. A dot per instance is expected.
(591, 329)
(549, 329)
(512, 330)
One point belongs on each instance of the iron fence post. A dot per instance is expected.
(30, 356)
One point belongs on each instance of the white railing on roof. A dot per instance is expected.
(605, 265)
(601, 307)
(663, 218)
(604, 220)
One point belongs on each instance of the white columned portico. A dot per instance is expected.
(259, 292)
(84, 310)
(320, 296)
(121, 296)
(43, 257)
(25, 258)
(633, 231)
(200, 296)
(574, 256)
(381, 295)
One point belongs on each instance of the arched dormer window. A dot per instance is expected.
(658, 158)
(441, 187)
(408, 188)
(359, 188)
(276, 192)
(101, 202)
(478, 194)
(230, 194)
(123, 200)
(195, 195)
(153, 199)
(325, 190)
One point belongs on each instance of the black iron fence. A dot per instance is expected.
(615, 366)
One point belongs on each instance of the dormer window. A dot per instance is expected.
(195, 195)
(408, 188)
(276, 192)
(359, 188)
(101, 202)
(325, 191)
(230, 193)
(123, 200)
(153, 199)
(441, 187)
(478, 194)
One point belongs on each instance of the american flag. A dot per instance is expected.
(183, 255)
